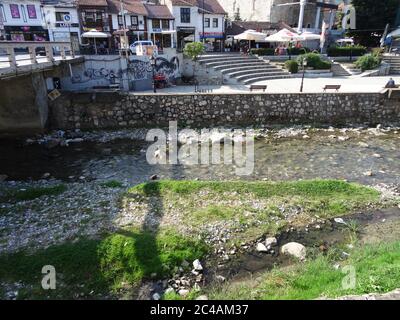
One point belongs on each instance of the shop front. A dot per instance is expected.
(214, 41)
(184, 35)
(162, 38)
(26, 33)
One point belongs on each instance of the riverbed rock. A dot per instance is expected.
(202, 297)
(197, 265)
(261, 247)
(271, 242)
(153, 177)
(156, 296)
(183, 292)
(294, 249)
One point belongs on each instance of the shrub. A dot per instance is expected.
(314, 61)
(263, 51)
(292, 66)
(368, 62)
(298, 51)
(347, 51)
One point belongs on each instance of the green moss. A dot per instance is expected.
(102, 265)
(377, 269)
(32, 193)
(112, 184)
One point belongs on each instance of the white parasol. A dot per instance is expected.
(93, 33)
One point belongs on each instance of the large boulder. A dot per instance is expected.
(294, 249)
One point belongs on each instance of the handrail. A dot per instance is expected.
(10, 47)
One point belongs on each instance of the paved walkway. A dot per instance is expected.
(349, 84)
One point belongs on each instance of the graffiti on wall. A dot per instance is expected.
(139, 70)
(91, 74)
(169, 68)
(136, 70)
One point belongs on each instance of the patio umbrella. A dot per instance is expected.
(394, 34)
(284, 35)
(251, 35)
(93, 33)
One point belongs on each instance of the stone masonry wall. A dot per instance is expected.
(118, 110)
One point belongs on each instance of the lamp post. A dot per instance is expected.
(153, 66)
(304, 64)
(204, 39)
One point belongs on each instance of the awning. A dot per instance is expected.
(394, 34)
(93, 33)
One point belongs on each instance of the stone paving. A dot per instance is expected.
(311, 85)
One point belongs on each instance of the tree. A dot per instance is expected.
(236, 16)
(371, 18)
(193, 50)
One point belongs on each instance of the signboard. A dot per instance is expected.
(53, 95)
(66, 25)
(216, 35)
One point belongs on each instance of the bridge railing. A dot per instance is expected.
(34, 49)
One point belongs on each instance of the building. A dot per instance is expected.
(93, 14)
(62, 20)
(128, 14)
(22, 20)
(190, 25)
(295, 13)
(160, 26)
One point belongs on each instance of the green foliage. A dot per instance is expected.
(102, 265)
(314, 61)
(193, 50)
(368, 62)
(292, 66)
(32, 193)
(347, 51)
(263, 51)
(271, 51)
(377, 270)
(112, 184)
(372, 16)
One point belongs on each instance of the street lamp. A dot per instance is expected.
(304, 64)
(153, 67)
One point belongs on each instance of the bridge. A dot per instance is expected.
(26, 57)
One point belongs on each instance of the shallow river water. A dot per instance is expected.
(365, 156)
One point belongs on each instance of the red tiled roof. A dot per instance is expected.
(158, 11)
(210, 6)
(132, 6)
(93, 3)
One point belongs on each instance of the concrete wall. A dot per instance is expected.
(109, 70)
(23, 104)
(114, 110)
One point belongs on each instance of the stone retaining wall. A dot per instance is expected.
(115, 110)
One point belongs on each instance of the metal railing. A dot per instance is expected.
(34, 49)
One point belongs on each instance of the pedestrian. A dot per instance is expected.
(391, 84)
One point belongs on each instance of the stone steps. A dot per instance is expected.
(230, 67)
(242, 69)
(394, 62)
(265, 78)
(261, 73)
(233, 72)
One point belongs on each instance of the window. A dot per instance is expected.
(155, 24)
(185, 15)
(206, 22)
(134, 20)
(60, 16)
(120, 22)
(14, 11)
(215, 22)
(165, 24)
(2, 13)
(31, 11)
(23, 13)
